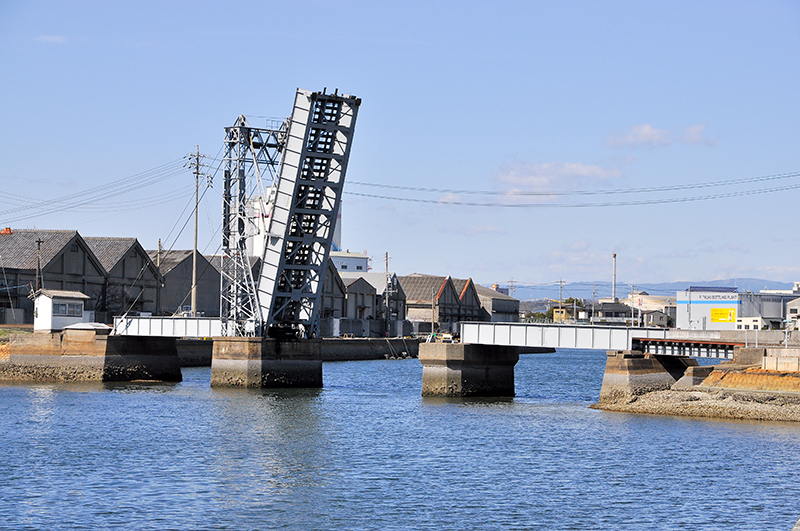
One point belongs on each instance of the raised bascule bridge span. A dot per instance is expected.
(281, 198)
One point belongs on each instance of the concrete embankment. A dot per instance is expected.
(641, 383)
(89, 355)
(358, 349)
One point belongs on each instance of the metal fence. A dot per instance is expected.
(168, 326)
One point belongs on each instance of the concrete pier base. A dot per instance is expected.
(90, 355)
(266, 362)
(461, 370)
(694, 375)
(630, 373)
(195, 352)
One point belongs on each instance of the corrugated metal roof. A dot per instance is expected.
(419, 287)
(377, 280)
(169, 259)
(61, 294)
(494, 294)
(18, 249)
(110, 250)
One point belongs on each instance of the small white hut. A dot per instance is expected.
(54, 310)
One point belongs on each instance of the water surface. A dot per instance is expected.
(367, 452)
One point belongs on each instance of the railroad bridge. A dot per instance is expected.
(658, 341)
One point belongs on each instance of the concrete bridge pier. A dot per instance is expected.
(462, 370)
(266, 362)
(630, 373)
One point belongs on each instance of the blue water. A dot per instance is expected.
(367, 452)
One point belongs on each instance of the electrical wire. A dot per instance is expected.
(670, 188)
(741, 193)
(36, 208)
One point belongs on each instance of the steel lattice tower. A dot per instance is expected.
(250, 153)
(297, 224)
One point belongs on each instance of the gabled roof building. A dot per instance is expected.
(67, 264)
(133, 281)
(431, 299)
(496, 306)
(175, 268)
(394, 296)
(469, 304)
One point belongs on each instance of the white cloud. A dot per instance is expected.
(644, 135)
(695, 134)
(52, 39)
(553, 176)
(449, 199)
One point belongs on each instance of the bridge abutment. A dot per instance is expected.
(630, 373)
(266, 362)
(461, 370)
(91, 354)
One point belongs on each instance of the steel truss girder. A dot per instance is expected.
(307, 198)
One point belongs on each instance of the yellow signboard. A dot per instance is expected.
(723, 315)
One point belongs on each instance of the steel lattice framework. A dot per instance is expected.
(306, 205)
(250, 153)
(301, 212)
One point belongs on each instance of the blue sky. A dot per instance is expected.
(457, 97)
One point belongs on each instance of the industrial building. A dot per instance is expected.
(176, 272)
(345, 261)
(133, 281)
(725, 308)
(66, 263)
(443, 301)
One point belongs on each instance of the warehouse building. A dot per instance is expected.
(725, 308)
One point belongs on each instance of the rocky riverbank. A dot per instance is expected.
(714, 403)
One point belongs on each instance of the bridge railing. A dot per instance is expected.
(168, 326)
(556, 335)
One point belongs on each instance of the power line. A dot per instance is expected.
(671, 188)
(672, 200)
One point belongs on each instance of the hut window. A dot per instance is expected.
(70, 309)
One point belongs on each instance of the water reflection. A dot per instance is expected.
(278, 434)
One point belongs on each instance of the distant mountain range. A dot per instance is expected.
(583, 290)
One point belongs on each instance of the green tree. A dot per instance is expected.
(577, 302)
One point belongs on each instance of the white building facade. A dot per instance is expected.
(54, 310)
(348, 262)
(718, 308)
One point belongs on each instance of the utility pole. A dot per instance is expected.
(433, 310)
(633, 308)
(195, 163)
(511, 287)
(39, 243)
(594, 296)
(387, 293)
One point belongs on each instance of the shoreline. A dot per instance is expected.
(719, 403)
(728, 392)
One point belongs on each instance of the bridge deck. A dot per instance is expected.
(650, 340)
